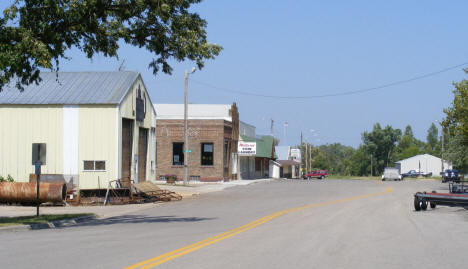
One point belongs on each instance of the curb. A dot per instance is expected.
(48, 225)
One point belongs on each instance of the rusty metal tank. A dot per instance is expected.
(20, 192)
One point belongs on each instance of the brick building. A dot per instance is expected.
(213, 132)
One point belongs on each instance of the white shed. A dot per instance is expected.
(425, 163)
(274, 169)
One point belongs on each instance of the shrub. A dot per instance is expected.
(8, 179)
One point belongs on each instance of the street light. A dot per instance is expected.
(186, 148)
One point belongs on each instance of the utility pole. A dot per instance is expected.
(443, 140)
(371, 165)
(186, 148)
(443, 150)
(302, 154)
(307, 156)
(271, 127)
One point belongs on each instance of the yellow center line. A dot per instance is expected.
(214, 239)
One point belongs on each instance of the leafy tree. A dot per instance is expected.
(457, 115)
(320, 161)
(432, 145)
(432, 137)
(360, 162)
(335, 158)
(380, 143)
(456, 124)
(35, 34)
(407, 140)
(456, 153)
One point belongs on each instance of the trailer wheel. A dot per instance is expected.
(417, 204)
(433, 205)
(423, 204)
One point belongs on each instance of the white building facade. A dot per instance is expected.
(246, 151)
(425, 163)
(91, 128)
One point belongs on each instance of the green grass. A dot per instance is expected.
(41, 219)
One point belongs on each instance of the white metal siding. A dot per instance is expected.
(425, 163)
(70, 139)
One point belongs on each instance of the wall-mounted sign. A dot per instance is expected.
(246, 148)
(296, 154)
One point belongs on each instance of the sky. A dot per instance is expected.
(310, 48)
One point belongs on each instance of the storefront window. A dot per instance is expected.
(177, 153)
(207, 154)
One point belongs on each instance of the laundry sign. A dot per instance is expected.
(246, 148)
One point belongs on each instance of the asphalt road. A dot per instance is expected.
(307, 224)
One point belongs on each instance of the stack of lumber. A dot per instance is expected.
(151, 190)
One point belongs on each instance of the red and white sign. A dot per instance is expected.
(246, 148)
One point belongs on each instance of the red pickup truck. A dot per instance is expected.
(320, 174)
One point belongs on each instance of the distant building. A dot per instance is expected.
(86, 127)
(423, 163)
(213, 132)
(289, 160)
(265, 153)
(247, 149)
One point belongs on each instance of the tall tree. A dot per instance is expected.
(380, 143)
(408, 145)
(456, 123)
(432, 141)
(35, 34)
(457, 115)
(407, 139)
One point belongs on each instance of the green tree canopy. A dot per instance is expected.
(380, 143)
(408, 145)
(432, 145)
(457, 114)
(456, 124)
(35, 34)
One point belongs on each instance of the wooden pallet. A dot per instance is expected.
(150, 189)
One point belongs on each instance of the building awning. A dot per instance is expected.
(288, 162)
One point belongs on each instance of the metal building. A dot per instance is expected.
(93, 126)
(423, 163)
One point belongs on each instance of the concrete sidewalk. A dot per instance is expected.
(192, 190)
(197, 188)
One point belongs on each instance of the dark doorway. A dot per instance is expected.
(142, 153)
(127, 142)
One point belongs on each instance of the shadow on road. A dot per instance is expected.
(135, 219)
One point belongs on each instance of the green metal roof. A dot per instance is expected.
(265, 146)
(247, 138)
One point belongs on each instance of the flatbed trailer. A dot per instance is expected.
(422, 199)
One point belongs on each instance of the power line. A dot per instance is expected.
(333, 94)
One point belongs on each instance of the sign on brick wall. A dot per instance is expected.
(246, 148)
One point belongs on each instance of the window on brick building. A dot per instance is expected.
(207, 154)
(177, 153)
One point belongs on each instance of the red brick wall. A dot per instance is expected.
(200, 131)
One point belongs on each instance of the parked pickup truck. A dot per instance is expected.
(415, 174)
(320, 174)
(451, 175)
